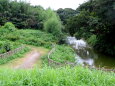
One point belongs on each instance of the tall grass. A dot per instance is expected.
(65, 76)
(31, 37)
(63, 53)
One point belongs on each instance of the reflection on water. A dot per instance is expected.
(87, 56)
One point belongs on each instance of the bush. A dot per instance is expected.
(7, 28)
(53, 26)
(5, 46)
(92, 40)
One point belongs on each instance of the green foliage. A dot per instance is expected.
(66, 13)
(7, 28)
(31, 37)
(63, 53)
(36, 37)
(92, 40)
(23, 15)
(79, 24)
(96, 17)
(6, 46)
(56, 77)
(20, 13)
(53, 24)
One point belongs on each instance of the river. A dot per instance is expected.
(86, 55)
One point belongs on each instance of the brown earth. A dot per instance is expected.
(29, 60)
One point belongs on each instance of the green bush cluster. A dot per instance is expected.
(92, 40)
(30, 37)
(7, 28)
(52, 24)
(5, 46)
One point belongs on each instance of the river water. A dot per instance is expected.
(85, 55)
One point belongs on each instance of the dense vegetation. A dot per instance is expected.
(56, 77)
(95, 22)
(33, 25)
(63, 53)
(8, 32)
(23, 15)
(66, 13)
(6, 46)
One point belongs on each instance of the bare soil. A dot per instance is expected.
(29, 60)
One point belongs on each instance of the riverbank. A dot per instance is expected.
(86, 55)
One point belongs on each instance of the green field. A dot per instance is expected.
(66, 76)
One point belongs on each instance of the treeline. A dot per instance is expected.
(66, 13)
(23, 15)
(95, 22)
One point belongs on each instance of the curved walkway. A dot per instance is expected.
(29, 60)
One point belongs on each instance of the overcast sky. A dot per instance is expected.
(55, 4)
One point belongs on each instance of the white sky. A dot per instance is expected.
(55, 4)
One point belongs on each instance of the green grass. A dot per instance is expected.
(63, 53)
(30, 37)
(17, 55)
(66, 76)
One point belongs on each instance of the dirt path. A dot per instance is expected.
(29, 60)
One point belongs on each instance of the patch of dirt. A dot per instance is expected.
(29, 60)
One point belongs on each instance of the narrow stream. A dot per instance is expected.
(85, 55)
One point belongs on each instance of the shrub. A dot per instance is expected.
(5, 47)
(8, 27)
(92, 40)
(53, 26)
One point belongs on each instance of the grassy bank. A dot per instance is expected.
(63, 53)
(76, 76)
(30, 37)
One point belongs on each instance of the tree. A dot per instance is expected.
(66, 13)
(52, 24)
(96, 19)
